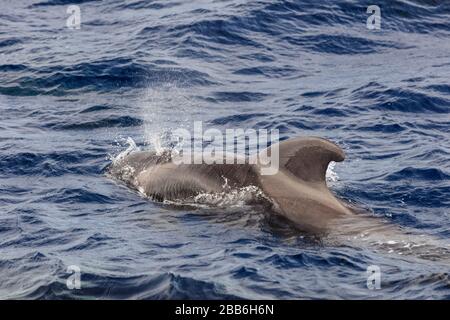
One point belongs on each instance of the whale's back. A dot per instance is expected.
(160, 179)
(298, 191)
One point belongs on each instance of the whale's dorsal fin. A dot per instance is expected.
(307, 158)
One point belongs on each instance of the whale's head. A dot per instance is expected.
(128, 167)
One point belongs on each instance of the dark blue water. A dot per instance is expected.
(69, 99)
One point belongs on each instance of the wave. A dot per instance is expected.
(113, 285)
(100, 76)
(376, 96)
(110, 122)
(60, 3)
(47, 164)
(422, 174)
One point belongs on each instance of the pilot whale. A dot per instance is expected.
(298, 191)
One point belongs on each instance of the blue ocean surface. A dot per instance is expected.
(71, 98)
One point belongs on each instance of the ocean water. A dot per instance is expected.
(70, 100)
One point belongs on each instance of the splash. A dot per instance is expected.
(165, 108)
(331, 175)
(132, 147)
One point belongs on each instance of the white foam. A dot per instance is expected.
(331, 175)
(230, 198)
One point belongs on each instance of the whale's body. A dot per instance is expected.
(298, 191)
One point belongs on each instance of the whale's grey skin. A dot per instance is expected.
(298, 191)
